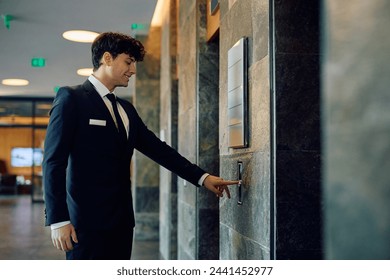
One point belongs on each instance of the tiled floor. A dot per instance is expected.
(23, 235)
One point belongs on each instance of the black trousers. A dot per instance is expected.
(113, 244)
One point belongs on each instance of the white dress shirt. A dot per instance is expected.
(103, 91)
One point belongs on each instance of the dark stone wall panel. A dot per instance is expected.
(298, 130)
(297, 23)
(298, 102)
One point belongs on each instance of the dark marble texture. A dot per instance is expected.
(208, 126)
(147, 199)
(208, 232)
(145, 171)
(297, 26)
(299, 222)
(198, 131)
(298, 102)
(208, 155)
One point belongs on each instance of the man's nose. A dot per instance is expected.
(132, 69)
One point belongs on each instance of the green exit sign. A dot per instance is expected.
(138, 26)
(38, 62)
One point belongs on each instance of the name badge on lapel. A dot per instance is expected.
(97, 122)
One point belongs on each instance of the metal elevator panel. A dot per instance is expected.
(237, 95)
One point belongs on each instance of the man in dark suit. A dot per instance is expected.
(89, 143)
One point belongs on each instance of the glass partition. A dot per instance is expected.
(23, 125)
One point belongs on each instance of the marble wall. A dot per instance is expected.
(208, 150)
(345, 153)
(145, 171)
(245, 229)
(187, 125)
(194, 93)
(356, 121)
(298, 137)
(197, 131)
(168, 130)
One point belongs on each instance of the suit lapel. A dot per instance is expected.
(97, 103)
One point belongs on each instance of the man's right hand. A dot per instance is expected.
(62, 237)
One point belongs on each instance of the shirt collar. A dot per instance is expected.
(100, 88)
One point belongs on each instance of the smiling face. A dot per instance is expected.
(113, 58)
(116, 72)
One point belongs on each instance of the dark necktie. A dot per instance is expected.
(120, 125)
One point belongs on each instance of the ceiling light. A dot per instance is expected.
(85, 71)
(15, 82)
(82, 36)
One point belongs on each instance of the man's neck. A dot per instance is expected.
(104, 81)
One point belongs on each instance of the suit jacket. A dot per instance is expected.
(86, 169)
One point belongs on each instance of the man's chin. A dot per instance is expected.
(123, 85)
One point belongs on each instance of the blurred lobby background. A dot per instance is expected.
(291, 97)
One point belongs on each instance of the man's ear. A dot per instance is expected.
(107, 58)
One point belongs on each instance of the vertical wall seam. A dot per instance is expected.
(197, 125)
(271, 41)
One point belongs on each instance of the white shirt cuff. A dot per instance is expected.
(201, 180)
(60, 224)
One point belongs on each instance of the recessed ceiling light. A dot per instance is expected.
(84, 71)
(15, 82)
(82, 36)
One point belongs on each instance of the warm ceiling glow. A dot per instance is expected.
(82, 36)
(158, 14)
(15, 82)
(85, 71)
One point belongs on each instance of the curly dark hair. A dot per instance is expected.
(116, 43)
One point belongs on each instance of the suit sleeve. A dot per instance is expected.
(58, 144)
(151, 146)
